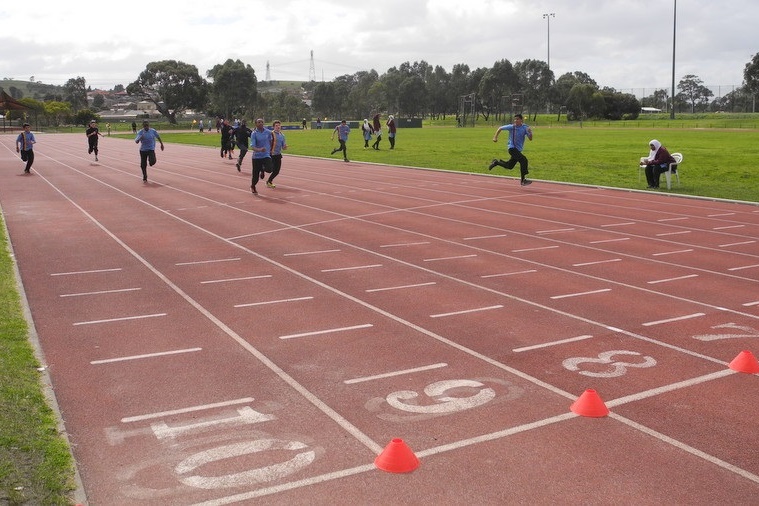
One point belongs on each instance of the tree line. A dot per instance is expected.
(412, 90)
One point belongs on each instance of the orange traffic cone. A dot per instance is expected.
(397, 457)
(589, 404)
(745, 362)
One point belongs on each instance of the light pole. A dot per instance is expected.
(548, 17)
(674, 39)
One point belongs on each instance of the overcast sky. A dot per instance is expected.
(624, 44)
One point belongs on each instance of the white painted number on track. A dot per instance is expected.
(259, 475)
(443, 403)
(748, 332)
(612, 369)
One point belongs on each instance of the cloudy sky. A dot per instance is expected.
(624, 44)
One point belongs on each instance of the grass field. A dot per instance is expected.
(720, 162)
(35, 463)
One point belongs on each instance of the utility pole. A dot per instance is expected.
(674, 39)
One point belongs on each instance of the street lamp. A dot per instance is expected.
(548, 17)
(674, 39)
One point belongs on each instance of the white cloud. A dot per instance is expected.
(622, 44)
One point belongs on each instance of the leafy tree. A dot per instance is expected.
(751, 75)
(118, 88)
(98, 101)
(173, 86)
(658, 99)
(84, 116)
(693, 91)
(58, 112)
(619, 105)
(412, 98)
(535, 81)
(234, 88)
(75, 92)
(325, 101)
(497, 85)
(438, 84)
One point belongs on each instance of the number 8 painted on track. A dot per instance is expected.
(605, 357)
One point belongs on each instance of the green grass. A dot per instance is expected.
(718, 163)
(35, 462)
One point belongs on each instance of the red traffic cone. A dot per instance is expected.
(745, 362)
(397, 457)
(589, 404)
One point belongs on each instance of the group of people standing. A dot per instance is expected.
(342, 130)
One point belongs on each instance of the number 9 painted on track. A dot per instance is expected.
(444, 403)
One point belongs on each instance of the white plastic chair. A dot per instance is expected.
(674, 168)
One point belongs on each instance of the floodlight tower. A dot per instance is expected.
(547, 16)
(312, 69)
(268, 73)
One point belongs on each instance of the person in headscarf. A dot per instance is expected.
(377, 130)
(656, 163)
(391, 130)
(366, 130)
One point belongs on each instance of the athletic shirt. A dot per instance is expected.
(261, 139)
(279, 141)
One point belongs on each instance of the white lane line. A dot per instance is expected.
(147, 355)
(395, 373)
(676, 319)
(686, 448)
(579, 294)
(743, 267)
(92, 322)
(404, 244)
(508, 273)
(488, 308)
(84, 272)
(370, 266)
(448, 258)
(755, 303)
(665, 234)
(735, 244)
(327, 331)
(610, 240)
(728, 227)
(555, 231)
(681, 218)
(295, 299)
(198, 262)
(101, 292)
(234, 279)
(672, 252)
(669, 388)
(533, 249)
(318, 252)
(191, 409)
(718, 215)
(477, 238)
(667, 280)
(622, 224)
(371, 290)
(553, 343)
(597, 262)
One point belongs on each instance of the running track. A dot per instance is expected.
(208, 346)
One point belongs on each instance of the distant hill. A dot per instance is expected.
(29, 89)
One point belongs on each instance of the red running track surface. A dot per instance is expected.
(209, 346)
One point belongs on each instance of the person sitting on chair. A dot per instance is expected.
(656, 163)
